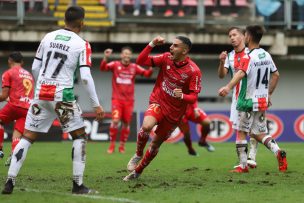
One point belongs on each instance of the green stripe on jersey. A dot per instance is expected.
(68, 95)
(244, 104)
(62, 37)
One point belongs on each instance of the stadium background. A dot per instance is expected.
(208, 33)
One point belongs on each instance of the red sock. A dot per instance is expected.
(124, 135)
(1, 136)
(15, 141)
(149, 156)
(113, 133)
(142, 139)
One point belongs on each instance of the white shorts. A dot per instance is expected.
(41, 115)
(234, 115)
(253, 122)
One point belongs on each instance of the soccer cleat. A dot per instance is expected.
(1, 154)
(192, 152)
(81, 189)
(111, 148)
(8, 187)
(282, 160)
(132, 176)
(208, 146)
(8, 161)
(239, 169)
(121, 149)
(251, 163)
(133, 162)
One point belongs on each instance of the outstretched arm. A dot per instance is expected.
(224, 91)
(143, 58)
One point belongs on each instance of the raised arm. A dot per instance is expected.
(143, 58)
(103, 64)
(222, 71)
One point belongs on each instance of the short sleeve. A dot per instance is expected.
(39, 52)
(111, 65)
(6, 79)
(245, 64)
(85, 55)
(195, 82)
(226, 64)
(273, 67)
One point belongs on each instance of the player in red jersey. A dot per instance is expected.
(178, 84)
(196, 115)
(124, 73)
(17, 88)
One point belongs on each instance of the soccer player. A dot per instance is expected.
(259, 77)
(196, 115)
(124, 73)
(18, 89)
(178, 84)
(229, 63)
(59, 55)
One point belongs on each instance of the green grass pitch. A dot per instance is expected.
(173, 176)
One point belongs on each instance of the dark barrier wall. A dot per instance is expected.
(96, 131)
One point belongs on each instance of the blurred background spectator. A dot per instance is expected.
(45, 8)
(120, 7)
(137, 6)
(169, 10)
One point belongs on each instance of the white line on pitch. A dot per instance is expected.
(114, 199)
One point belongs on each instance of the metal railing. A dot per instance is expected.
(198, 18)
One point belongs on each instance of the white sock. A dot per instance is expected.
(18, 157)
(242, 154)
(271, 144)
(253, 148)
(79, 159)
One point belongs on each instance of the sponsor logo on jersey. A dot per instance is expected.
(62, 37)
(274, 125)
(299, 126)
(35, 109)
(262, 55)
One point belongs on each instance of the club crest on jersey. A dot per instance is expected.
(184, 76)
(168, 67)
(35, 109)
(119, 67)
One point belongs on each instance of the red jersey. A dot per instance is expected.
(21, 84)
(124, 78)
(184, 75)
(190, 109)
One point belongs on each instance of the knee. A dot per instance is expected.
(147, 127)
(115, 123)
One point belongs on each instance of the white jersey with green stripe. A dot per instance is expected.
(61, 53)
(258, 65)
(232, 64)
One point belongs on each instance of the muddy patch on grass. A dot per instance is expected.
(138, 186)
(122, 171)
(242, 182)
(191, 169)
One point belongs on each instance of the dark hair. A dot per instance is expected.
(16, 57)
(73, 14)
(240, 30)
(126, 47)
(256, 32)
(185, 40)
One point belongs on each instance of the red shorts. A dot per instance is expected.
(10, 113)
(164, 127)
(122, 110)
(191, 116)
